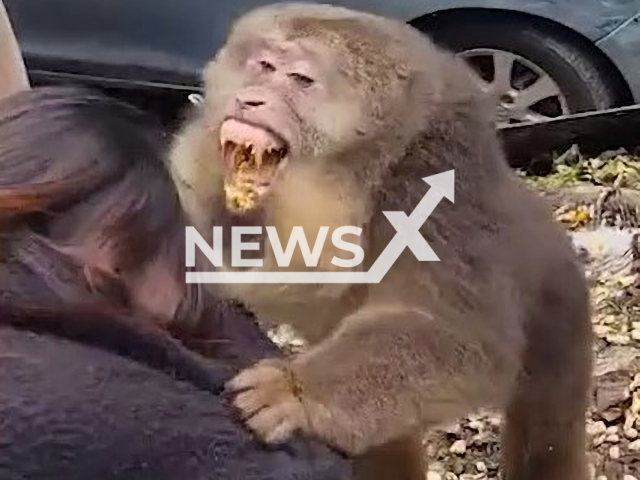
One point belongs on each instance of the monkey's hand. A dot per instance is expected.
(384, 374)
(269, 397)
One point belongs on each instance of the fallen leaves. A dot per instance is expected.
(575, 218)
(603, 231)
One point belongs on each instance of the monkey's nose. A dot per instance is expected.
(250, 103)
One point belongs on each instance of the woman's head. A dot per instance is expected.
(86, 205)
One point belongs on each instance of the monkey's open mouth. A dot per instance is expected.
(253, 155)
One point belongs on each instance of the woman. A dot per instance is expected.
(91, 383)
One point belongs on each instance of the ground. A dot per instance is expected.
(598, 200)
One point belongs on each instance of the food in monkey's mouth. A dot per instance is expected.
(253, 156)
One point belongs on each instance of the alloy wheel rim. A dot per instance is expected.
(522, 90)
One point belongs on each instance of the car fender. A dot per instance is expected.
(591, 18)
(622, 46)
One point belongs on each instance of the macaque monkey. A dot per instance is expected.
(98, 373)
(322, 116)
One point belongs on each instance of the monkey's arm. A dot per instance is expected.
(384, 373)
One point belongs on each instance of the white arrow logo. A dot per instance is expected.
(407, 236)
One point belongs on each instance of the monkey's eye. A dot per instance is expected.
(302, 79)
(267, 66)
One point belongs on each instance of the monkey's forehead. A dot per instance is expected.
(287, 10)
(329, 24)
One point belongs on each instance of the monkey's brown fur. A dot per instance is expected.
(501, 320)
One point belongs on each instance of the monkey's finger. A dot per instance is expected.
(281, 433)
(268, 421)
(252, 377)
(251, 401)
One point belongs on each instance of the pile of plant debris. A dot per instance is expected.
(598, 201)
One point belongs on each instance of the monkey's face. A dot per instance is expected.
(285, 99)
(280, 106)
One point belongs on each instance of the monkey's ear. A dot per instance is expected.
(418, 90)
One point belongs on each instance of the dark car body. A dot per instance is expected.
(163, 44)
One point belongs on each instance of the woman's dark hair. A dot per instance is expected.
(77, 165)
(78, 168)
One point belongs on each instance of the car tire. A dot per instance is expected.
(579, 75)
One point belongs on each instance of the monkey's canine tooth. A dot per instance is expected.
(268, 153)
(256, 155)
(238, 157)
(248, 146)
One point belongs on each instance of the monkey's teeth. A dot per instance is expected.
(244, 134)
(251, 154)
(266, 155)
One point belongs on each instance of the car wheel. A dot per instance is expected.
(533, 73)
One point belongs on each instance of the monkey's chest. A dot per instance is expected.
(313, 311)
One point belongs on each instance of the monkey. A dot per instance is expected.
(95, 321)
(323, 116)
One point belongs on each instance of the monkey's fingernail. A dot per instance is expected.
(231, 386)
(269, 427)
(241, 381)
(281, 433)
(249, 403)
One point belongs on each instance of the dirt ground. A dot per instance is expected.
(598, 201)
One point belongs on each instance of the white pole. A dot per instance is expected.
(13, 73)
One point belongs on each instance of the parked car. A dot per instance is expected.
(540, 58)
